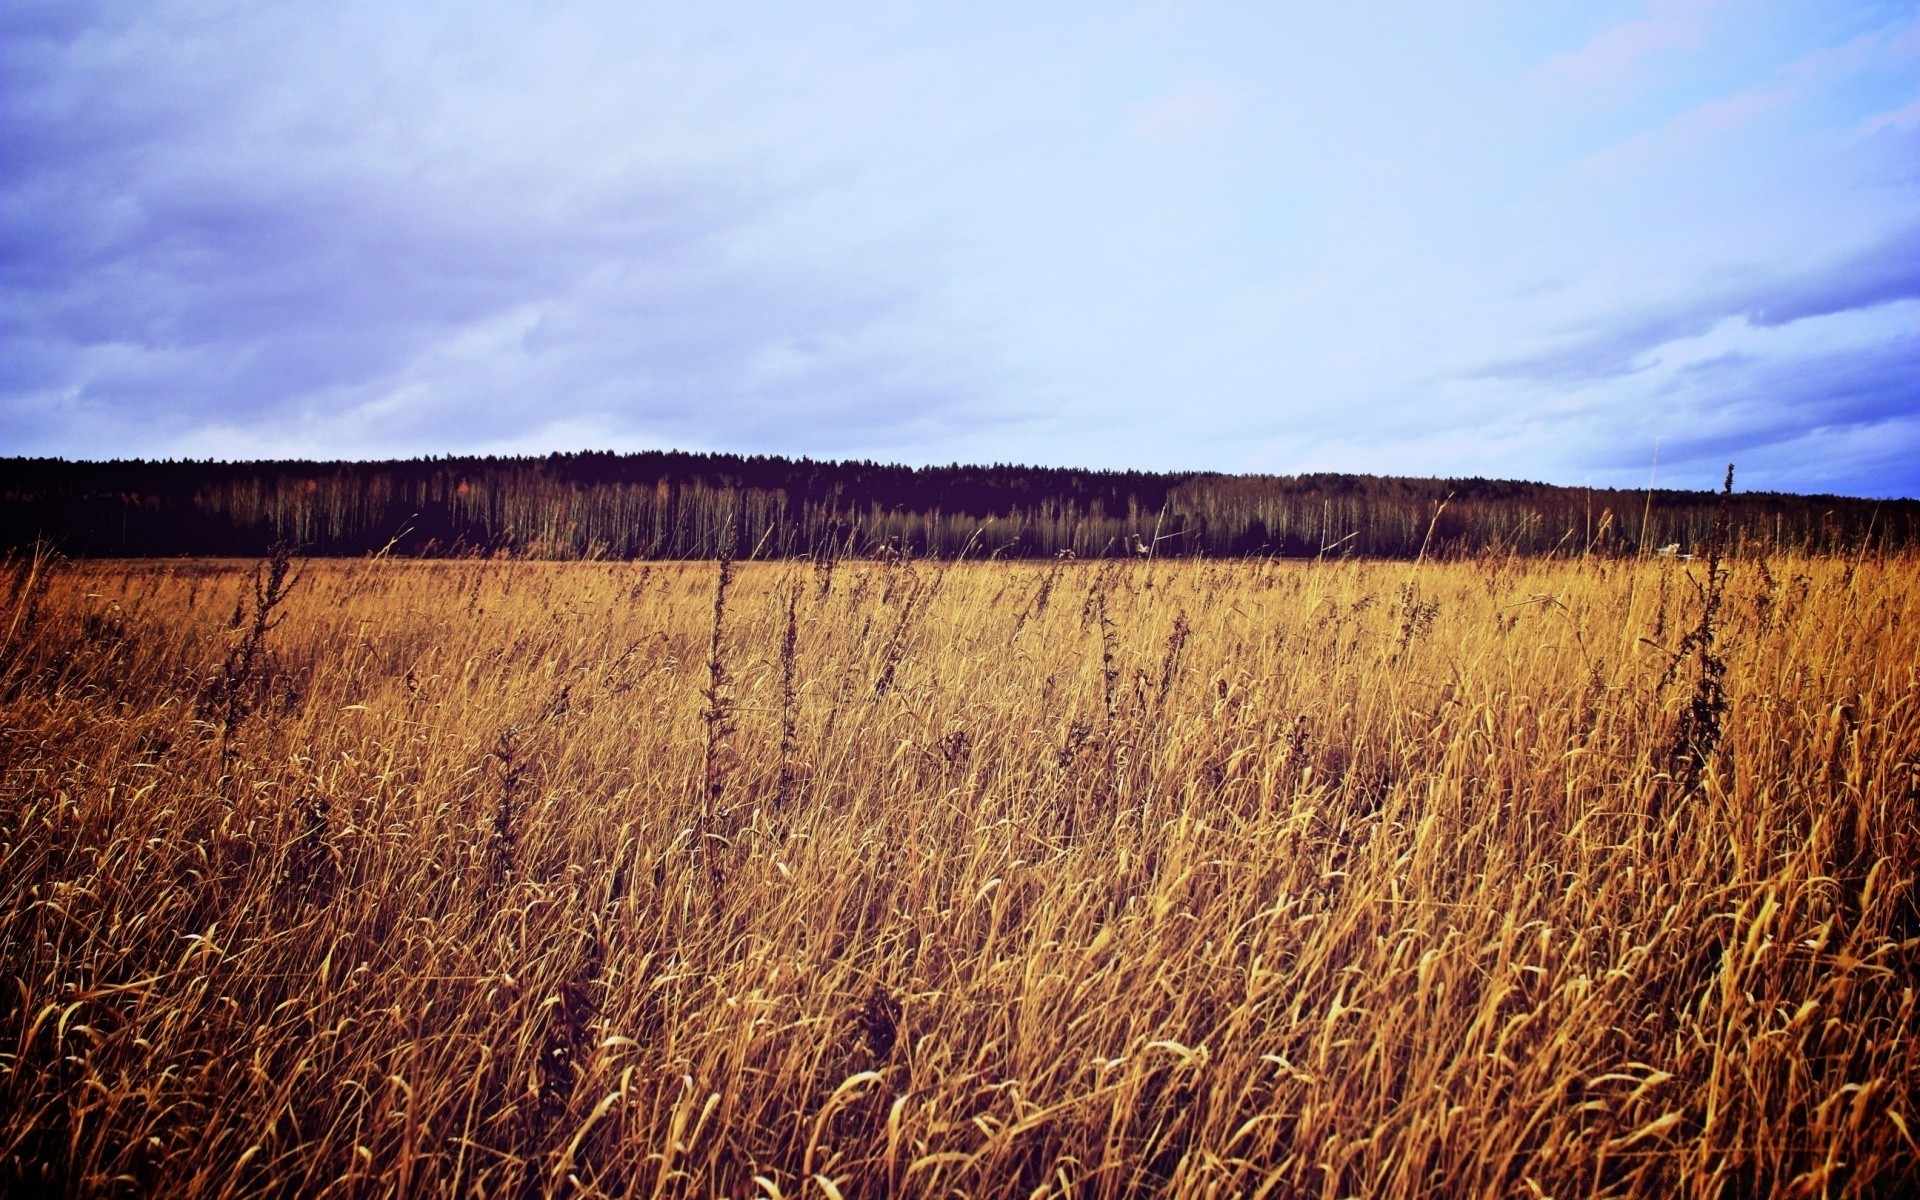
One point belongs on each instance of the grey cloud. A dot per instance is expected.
(1756, 414)
(163, 272)
(1886, 272)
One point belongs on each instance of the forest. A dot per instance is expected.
(672, 505)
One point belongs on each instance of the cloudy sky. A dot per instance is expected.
(1480, 237)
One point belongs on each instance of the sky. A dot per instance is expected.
(1585, 243)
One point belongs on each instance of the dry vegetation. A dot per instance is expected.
(1481, 878)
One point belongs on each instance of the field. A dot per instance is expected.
(1499, 877)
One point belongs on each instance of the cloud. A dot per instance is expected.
(1906, 117)
(1764, 396)
(1883, 273)
(1619, 54)
(1170, 237)
(291, 267)
(1696, 130)
(1182, 115)
(1737, 404)
(1822, 422)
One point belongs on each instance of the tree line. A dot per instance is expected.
(672, 505)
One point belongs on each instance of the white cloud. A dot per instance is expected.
(1617, 56)
(1182, 114)
(1907, 116)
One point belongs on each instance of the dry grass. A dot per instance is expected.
(1079, 879)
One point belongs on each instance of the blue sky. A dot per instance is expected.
(1471, 238)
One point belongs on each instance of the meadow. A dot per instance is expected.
(1494, 877)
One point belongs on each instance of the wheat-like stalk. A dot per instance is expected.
(1376, 880)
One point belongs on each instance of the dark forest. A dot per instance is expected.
(669, 505)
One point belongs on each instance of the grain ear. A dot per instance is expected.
(1145, 875)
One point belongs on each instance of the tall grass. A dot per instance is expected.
(1053, 879)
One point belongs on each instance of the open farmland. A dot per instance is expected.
(1490, 877)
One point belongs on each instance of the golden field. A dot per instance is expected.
(1490, 878)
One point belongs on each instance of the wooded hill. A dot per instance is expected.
(674, 505)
